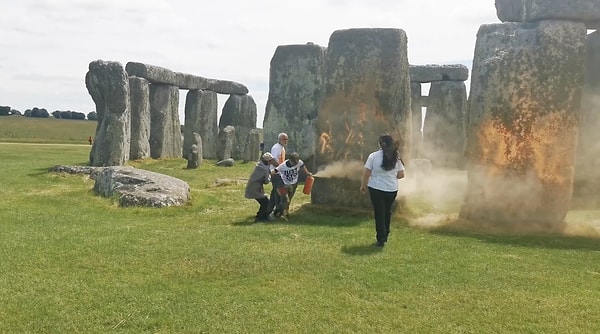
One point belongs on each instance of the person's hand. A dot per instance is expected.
(363, 189)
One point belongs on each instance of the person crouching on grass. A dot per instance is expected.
(289, 171)
(255, 187)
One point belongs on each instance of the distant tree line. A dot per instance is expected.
(43, 113)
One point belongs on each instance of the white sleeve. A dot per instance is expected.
(276, 152)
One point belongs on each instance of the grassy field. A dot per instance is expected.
(74, 262)
(22, 129)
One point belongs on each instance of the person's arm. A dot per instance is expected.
(400, 174)
(365, 180)
(306, 170)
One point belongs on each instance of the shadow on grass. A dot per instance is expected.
(315, 215)
(319, 215)
(361, 250)
(532, 237)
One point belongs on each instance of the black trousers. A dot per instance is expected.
(275, 199)
(263, 211)
(382, 208)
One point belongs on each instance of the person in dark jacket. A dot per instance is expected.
(255, 188)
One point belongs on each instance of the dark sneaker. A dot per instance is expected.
(379, 244)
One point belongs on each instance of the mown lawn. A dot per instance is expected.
(71, 261)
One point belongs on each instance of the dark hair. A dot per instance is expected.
(390, 152)
(293, 158)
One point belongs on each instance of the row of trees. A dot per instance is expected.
(43, 113)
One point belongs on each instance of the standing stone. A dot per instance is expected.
(416, 104)
(367, 94)
(587, 170)
(252, 146)
(201, 117)
(444, 129)
(522, 122)
(139, 97)
(165, 130)
(295, 89)
(108, 86)
(587, 11)
(194, 154)
(225, 142)
(239, 111)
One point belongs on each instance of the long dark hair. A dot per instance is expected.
(390, 152)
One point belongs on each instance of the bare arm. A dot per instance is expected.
(365, 180)
(306, 170)
(400, 174)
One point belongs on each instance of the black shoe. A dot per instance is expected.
(379, 244)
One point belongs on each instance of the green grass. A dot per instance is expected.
(45, 130)
(74, 262)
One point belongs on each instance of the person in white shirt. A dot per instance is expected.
(278, 153)
(382, 170)
(289, 171)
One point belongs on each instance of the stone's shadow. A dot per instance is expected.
(361, 250)
(529, 239)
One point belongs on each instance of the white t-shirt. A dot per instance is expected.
(276, 151)
(381, 179)
(289, 175)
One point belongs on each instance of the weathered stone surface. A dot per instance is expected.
(194, 156)
(137, 187)
(201, 117)
(587, 11)
(522, 122)
(587, 169)
(139, 97)
(226, 163)
(239, 111)
(89, 170)
(108, 85)
(367, 93)
(444, 129)
(431, 73)
(252, 146)
(295, 89)
(225, 140)
(161, 75)
(165, 129)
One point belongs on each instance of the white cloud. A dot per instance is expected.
(48, 44)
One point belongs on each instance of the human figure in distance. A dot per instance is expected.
(90, 140)
(289, 171)
(278, 153)
(255, 186)
(380, 176)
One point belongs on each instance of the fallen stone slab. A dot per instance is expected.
(430, 73)
(587, 11)
(135, 187)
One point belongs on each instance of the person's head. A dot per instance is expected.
(267, 158)
(390, 151)
(294, 158)
(386, 142)
(282, 138)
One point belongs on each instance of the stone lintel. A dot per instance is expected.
(587, 11)
(430, 73)
(161, 75)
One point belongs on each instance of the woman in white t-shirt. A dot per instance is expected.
(382, 170)
(289, 171)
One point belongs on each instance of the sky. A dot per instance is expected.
(47, 45)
